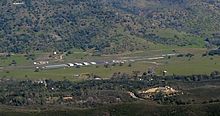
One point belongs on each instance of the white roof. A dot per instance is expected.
(79, 64)
(86, 63)
(93, 62)
(70, 64)
(18, 3)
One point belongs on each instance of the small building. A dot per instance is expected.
(18, 3)
(85, 63)
(164, 73)
(97, 78)
(41, 62)
(70, 64)
(76, 75)
(122, 62)
(66, 98)
(93, 63)
(78, 64)
(116, 61)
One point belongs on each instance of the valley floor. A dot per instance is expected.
(179, 61)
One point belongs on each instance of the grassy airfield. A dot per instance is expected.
(197, 64)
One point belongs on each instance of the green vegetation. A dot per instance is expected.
(176, 36)
(197, 64)
(17, 60)
(112, 96)
(189, 66)
(170, 45)
(68, 73)
(130, 109)
(105, 26)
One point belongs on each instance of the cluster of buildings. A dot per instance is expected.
(41, 62)
(18, 3)
(81, 64)
(77, 64)
(61, 65)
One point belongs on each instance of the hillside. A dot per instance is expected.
(133, 109)
(106, 26)
(195, 95)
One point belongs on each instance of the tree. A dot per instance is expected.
(121, 64)
(135, 73)
(189, 55)
(37, 70)
(215, 73)
(106, 65)
(13, 62)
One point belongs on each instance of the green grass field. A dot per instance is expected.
(20, 60)
(68, 73)
(174, 35)
(186, 66)
(175, 65)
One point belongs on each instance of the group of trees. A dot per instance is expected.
(169, 41)
(214, 52)
(106, 26)
(92, 92)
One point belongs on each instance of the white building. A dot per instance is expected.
(93, 63)
(86, 63)
(18, 3)
(70, 64)
(78, 64)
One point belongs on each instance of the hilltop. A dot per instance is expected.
(105, 26)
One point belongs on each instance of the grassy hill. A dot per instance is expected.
(106, 26)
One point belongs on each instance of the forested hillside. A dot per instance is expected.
(107, 26)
